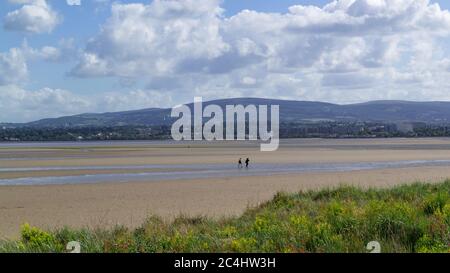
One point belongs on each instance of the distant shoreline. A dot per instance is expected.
(171, 141)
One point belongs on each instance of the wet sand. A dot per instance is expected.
(107, 204)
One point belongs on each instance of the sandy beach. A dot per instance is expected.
(108, 204)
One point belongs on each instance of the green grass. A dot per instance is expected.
(410, 218)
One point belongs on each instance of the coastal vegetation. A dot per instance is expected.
(408, 218)
(322, 129)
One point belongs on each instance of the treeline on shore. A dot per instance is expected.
(330, 129)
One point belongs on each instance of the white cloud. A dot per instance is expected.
(73, 2)
(154, 38)
(35, 16)
(46, 53)
(18, 104)
(13, 66)
(21, 105)
(14, 62)
(135, 99)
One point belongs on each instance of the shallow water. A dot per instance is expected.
(125, 143)
(376, 143)
(186, 171)
(54, 144)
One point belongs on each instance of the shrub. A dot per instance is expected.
(427, 244)
(395, 221)
(243, 244)
(446, 213)
(228, 231)
(35, 237)
(341, 217)
(436, 202)
(323, 239)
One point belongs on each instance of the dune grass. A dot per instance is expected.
(410, 218)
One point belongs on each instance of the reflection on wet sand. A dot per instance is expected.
(178, 172)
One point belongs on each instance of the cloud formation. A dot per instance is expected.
(35, 16)
(74, 2)
(309, 51)
(163, 32)
(14, 62)
(21, 105)
(13, 66)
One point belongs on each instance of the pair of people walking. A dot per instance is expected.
(247, 162)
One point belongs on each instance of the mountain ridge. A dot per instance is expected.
(290, 111)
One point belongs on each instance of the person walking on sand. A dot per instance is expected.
(240, 163)
(247, 161)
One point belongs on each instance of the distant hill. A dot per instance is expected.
(383, 111)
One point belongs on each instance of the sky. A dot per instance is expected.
(64, 57)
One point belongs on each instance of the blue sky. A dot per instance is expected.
(89, 58)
